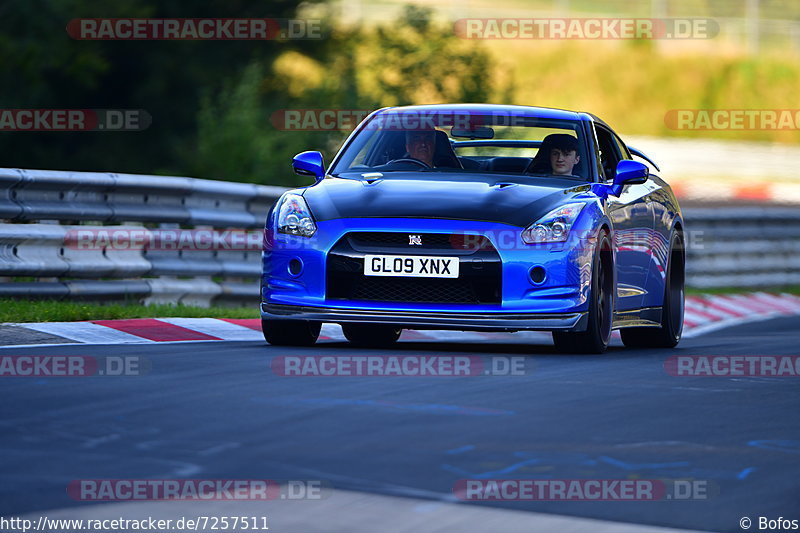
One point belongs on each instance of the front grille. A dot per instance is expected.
(453, 244)
(378, 288)
(479, 281)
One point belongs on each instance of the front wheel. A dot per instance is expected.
(669, 334)
(601, 307)
(290, 332)
(371, 335)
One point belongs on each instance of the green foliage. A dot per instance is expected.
(231, 131)
(42, 67)
(57, 311)
(633, 87)
(213, 102)
(414, 60)
(416, 57)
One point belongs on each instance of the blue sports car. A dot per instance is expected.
(477, 217)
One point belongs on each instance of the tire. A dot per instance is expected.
(290, 332)
(669, 333)
(371, 335)
(601, 307)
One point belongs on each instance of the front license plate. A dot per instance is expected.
(413, 266)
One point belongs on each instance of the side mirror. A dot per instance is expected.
(309, 164)
(629, 172)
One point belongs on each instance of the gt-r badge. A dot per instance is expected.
(415, 240)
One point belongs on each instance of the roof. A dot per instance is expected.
(518, 110)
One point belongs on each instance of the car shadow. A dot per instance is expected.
(493, 348)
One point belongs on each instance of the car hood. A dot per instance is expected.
(516, 200)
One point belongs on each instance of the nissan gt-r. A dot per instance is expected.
(477, 217)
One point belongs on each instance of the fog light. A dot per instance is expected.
(537, 275)
(295, 267)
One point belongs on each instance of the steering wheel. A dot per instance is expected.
(422, 164)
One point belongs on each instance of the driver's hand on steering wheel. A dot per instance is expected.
(419, 162)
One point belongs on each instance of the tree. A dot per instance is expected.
(412, 61)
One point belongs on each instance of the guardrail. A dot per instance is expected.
(42, 260)
(743, 247)
(46, 211)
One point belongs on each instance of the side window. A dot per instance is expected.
(361, 158)
(623, 150)
(610, 153)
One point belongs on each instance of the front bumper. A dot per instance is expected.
(514, 303)
(432, 319)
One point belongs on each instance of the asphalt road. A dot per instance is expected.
(217, 410)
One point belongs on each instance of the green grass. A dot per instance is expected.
(768, 9)
(634, 85)
(56, 311)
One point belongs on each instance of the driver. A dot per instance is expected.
(420, 145)
(564, 154)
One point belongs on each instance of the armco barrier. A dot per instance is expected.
(33, 195)
(41, 208)
(744, 247)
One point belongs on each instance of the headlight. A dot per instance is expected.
(294, 217)
(554, 226)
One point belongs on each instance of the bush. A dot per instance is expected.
(413, 61)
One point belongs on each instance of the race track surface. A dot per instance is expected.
(392, 448)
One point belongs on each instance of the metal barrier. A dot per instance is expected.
(43, 260)
(33, 195)
(45, 210)
(743, 247)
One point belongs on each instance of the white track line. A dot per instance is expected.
(86, 332)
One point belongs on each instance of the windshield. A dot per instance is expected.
(467, 143)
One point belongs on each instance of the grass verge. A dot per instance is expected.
(57, 311)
